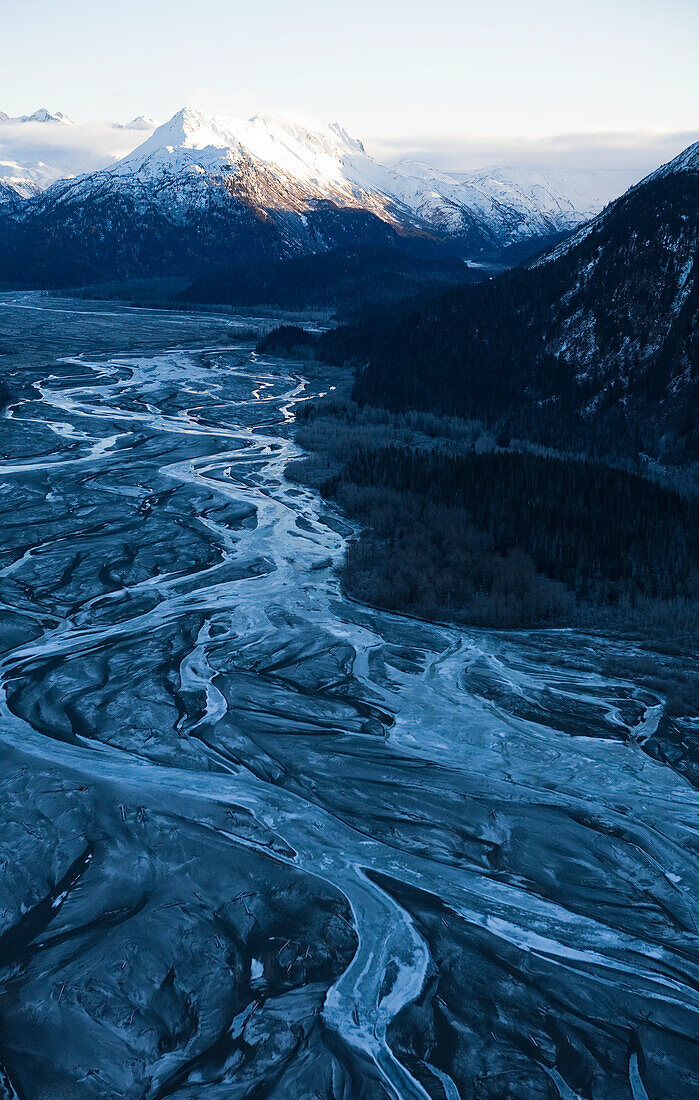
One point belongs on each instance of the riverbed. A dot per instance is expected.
(257, 839)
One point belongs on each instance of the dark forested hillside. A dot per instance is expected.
(454, 527)
(75, 240)
(596, 348)
(511, 539)
(343, 279)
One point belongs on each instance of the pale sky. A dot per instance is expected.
(405, 76)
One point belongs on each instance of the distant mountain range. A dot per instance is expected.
(594, 346)
(204, 191)
(42, 115)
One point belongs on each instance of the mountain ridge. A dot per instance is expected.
(260, 188)
(41, 115)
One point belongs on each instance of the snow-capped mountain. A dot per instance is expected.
(204, 190)
(268, 163)
(141, 122)
(25, 181)
(510, 204)
(16, 183)
(278, 164)
(42, 115)
(201, 192)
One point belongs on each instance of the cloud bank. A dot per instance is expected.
(631, 153)
(51, 150)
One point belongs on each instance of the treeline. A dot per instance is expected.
(607, 535)
(429, 560)
(343, 280)
(289, 340)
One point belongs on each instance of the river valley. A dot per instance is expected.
(258, 840)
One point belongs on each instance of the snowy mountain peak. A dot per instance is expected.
(279, 152)
(273, 139)
(187, 129)
(43, 115)
(141, 122)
